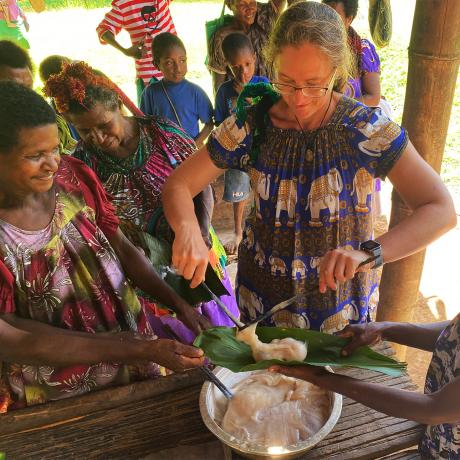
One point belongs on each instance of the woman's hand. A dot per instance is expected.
(190, 255)
(340, 265)
(306, 372)
(175, 355)
(361, 334)
(193, 320)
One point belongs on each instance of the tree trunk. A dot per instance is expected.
(434, 54)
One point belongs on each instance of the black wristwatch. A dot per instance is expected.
(374, 249)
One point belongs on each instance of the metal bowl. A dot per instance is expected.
(213, 405)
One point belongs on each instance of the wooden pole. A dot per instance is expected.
(434, 55)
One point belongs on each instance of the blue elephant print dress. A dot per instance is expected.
(313, 193)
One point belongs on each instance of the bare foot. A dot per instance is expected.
(231, 247)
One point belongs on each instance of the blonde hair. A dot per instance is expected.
(319, 25)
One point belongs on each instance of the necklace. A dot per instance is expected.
(322, 120)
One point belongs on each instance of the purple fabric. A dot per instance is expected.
(209, 309)
(370, 62)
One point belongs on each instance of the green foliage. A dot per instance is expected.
(222, 348)
(87, 4)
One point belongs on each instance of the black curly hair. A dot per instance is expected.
(235, 42)
(52, 65)
(350, 6)
(20, 107)
(12, 55)
(162, 43)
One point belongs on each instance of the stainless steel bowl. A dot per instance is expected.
(213, 405)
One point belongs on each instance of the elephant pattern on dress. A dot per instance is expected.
(259, 258)
(286, 201)
(231, 136)
(304, 205)
(324, 194)
(286, 318)
(278, 266)
(339, 320)
(379, 136)
(248, 301)
(363, 186)
(298, 269)
(261, 187)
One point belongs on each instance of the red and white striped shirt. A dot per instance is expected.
(143, 20)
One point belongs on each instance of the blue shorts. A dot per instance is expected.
(237, 186)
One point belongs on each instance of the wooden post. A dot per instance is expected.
(434, 54)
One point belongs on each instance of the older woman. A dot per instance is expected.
(256, 20)
(132, 156)
(312, 155)
(65, 263)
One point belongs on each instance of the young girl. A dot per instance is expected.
(174, 97)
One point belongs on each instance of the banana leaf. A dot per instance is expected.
(160, 255)
(222, 349)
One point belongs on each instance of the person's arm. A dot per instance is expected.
(134, 51)
(433, 214)
(370, 85)
(204, 133)
(421, 336)
(143, 275)
(217, 80)
(190, 254)
(431, 409)
(204, 207)
(44, 345)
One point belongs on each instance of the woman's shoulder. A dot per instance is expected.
(73, 173)
(352, 114)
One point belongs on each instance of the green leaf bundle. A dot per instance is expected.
(222, 348)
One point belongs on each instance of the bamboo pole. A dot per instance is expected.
(434, 55)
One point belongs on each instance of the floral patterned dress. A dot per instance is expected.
(68, 276)
(135, 186)
(443, 441)
(312, 194)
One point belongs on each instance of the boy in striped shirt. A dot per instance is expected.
(143, 20)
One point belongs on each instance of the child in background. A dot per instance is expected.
(241, 59)
(52, 65)
(174, 97)
(16, 65)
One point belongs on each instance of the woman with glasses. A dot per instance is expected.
(312, 155)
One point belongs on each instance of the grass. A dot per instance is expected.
(68, 28)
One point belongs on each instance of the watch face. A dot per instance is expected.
(370, 245)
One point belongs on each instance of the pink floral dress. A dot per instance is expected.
(68, 275)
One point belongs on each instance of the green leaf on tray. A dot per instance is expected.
(222, 348)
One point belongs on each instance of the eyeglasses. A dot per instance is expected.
(308, 91)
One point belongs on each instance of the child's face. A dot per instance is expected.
(173, 64)
(242, 65)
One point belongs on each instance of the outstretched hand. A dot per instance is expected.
(361, 335)
(193, 320)
(176, 356)
(304, 372)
